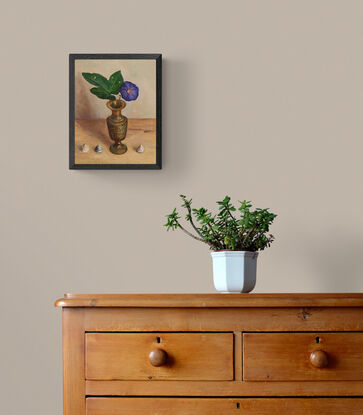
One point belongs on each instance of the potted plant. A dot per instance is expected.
(113, 89)
(234, 239)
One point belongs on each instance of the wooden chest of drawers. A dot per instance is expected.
(213, 354)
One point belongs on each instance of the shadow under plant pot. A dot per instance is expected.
(117, 126)
(234, 271)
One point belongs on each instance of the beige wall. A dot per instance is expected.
(262, 100)
(140, 72)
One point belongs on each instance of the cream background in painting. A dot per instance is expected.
(140, 72)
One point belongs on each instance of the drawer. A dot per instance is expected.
(169, 356)
(302, 356)
(224, 406)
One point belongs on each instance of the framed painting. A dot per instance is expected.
(115, 111)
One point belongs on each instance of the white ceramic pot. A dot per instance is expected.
(234, 271)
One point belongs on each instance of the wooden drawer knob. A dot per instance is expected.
(319, 359)
(158, 357)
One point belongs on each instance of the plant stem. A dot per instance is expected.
(256, 237)
(233, 219)
(247, 235)
(216, 236)
(193, 236)
(191, 220)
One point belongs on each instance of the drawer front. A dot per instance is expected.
(169, 356)
(302, 356)
(190, 406)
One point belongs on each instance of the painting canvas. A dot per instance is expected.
(115, 111)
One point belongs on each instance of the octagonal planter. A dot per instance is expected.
(234, 271)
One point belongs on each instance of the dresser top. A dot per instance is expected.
(211, 300)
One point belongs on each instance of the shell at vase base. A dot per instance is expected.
(98, 149)
(84, 148)
(140, 149)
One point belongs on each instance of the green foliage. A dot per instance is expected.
(173, 218)
(101, 93)
(241, 229)
(106, 88)
(116, 81)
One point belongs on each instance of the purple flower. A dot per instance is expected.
(129, 91)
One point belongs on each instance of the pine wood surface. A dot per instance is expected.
(188, 406)
(218, 347)
(224, 319)
(212, 300)
(223, 388)
(191, 356)
(286, 356)
(93, 132)
(74, 386)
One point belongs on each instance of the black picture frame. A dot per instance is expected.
(158, 61)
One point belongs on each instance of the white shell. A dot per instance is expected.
(84, 148)
(140, 149)
(98, 149)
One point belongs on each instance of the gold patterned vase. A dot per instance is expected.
(117, 126)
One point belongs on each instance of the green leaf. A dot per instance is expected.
(223, 230)
(98, 80)
(89, 78)
(115, 81)
(101, 93)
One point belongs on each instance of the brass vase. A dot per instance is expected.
(117, 126)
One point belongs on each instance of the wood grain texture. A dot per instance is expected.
(190, 406)
(224, 319)
(217, 347)
(73, 362)
(237, 356)
(211, 300)
(286, 356)
(223, 388)
(93, 132)
(191, 356)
